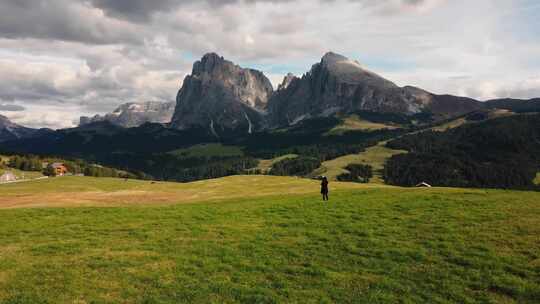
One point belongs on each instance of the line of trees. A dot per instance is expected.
(26, 163)
(75, 167)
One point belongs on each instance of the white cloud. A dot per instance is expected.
(86, 57)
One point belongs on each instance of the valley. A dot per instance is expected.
(229, 120)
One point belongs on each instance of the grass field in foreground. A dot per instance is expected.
(367, 245)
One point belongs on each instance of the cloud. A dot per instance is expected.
(64, 20)
(60, 59)
(11, 107)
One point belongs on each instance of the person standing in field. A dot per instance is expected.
(324, 188)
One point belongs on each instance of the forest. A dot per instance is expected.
(498, 153)
(146, 150)
(359, 173)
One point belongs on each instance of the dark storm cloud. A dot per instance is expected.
(142, 10)
(11, 107)
(62, 20)
(136, 10)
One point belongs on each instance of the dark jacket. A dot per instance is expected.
(324, 186)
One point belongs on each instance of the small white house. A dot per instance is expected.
(7, 177)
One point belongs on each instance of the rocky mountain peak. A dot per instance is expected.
(208, 63)
(6, 123)
(332, 57)
(351, 71)
(132, 114)
(11, 131)
(220, 95)
(338, 84)
(287, 81)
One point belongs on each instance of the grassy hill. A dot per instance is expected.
(354, 122)
(375, 156)
(261, 239)
(266, 164)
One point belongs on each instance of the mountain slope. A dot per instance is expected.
(339, 85)
(498, 153)
(12, 131)
(221, 96)
(131, 115)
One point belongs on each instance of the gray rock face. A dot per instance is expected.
(131, 115)
(339, 85)
(286, 81)
(13, 131)
(221, 96)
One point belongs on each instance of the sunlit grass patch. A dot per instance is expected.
(266, 164)
(375, 156)
(354, 122)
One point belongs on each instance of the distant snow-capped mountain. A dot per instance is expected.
(131, 115)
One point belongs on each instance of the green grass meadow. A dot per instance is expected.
(367, 245)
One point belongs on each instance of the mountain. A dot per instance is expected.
(12, 131)
(221, 96)
(131, 115)
(339, 85)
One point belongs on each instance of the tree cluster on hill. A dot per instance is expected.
(74, 166)
(358, 173)
(176, 167)
(499, 153)
(299, 166)
(26, 163)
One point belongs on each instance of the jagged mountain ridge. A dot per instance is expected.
(221, 96)
(339, 85)
(131, 115)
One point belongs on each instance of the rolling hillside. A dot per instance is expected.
(253, 239)
(375, 156)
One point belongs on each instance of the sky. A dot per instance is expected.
(60, 59)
